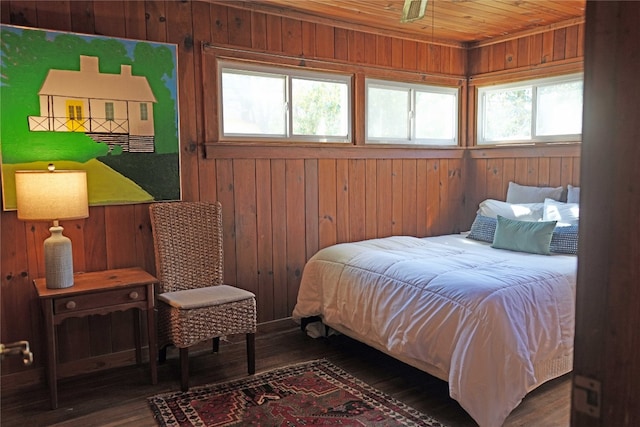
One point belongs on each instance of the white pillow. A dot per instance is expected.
(524, 211)
(564, 213)
(517, 193)
(573, 194)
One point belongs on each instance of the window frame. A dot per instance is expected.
(289, 74)
(412, 89)
(534, 84)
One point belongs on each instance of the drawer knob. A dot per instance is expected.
(71, 305)
(133, 295)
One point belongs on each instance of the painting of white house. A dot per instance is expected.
(105, 105)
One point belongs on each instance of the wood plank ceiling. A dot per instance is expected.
(455, 22)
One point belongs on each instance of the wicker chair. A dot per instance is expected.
(193, 304)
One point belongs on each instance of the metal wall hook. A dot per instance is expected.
(18, 348)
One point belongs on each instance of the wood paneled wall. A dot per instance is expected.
(558, 50)
(489, 171)
(280, 204)
(554, 47)
(279, 212)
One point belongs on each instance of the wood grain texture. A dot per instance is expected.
(446, 22)
(542, 50)
(606, 347)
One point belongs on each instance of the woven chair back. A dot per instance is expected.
(188, 244)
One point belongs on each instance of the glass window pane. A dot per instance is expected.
(387, 113)
(559, 109)
(435, 115)
(253, 104)
(319, 108)
(507, 114)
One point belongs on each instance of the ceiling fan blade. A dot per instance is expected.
(413, 10)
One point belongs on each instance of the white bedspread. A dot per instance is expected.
(493, 323)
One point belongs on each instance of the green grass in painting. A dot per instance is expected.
(158, 174)
(105, 185)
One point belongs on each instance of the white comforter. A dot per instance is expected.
(493, 323)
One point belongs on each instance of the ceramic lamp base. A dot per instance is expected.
(58, 259)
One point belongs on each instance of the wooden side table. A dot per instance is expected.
(98, 292)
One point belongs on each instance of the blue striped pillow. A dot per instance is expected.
(565, 240)
(483, 229)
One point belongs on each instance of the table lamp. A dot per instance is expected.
(53, 195)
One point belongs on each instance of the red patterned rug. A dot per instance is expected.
(315, 393)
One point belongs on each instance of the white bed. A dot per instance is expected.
(493, 323)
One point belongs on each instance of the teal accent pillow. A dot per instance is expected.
(523, 236)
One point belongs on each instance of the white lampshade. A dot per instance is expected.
(52, 196)
(49, 196)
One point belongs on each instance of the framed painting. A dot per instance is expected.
(102, 104)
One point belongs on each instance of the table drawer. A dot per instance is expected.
(99, 299)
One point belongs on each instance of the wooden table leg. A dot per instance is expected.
(50, 332)
(137, 338)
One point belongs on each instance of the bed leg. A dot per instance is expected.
(306, 320)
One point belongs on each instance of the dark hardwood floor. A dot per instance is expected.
(117, 397)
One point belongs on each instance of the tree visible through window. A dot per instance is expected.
(537, 110)
(318, 108)
(404, 113)
(508, 114)
(284, 104)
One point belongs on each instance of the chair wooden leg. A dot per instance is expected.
(184, 368)
(216, 344)
(251, 353)
(162, 354)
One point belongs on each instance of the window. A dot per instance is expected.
(144, 111)
(543, 110)
(404, 113)
(284, 104)
(108, 111)
(75, 112)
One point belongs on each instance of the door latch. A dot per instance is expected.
(587, 395)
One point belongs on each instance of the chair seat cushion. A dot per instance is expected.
(204, 297)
